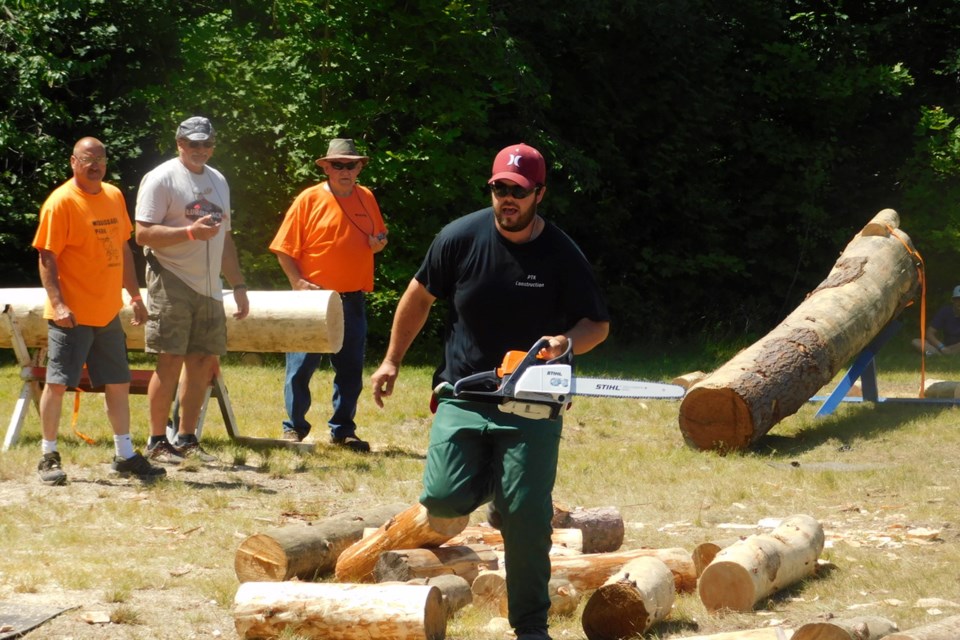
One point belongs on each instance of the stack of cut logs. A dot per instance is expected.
(401, 574)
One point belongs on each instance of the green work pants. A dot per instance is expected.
(478, 453)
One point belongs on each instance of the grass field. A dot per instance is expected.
(157, 561)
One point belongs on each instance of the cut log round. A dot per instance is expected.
(762, 564)
(875, 278)
(704, 553)
(304, 551)
(279, 321)
(590, 571)
(860, 628)
(488, 587)
(564, 599)
(410, 529)
(454, 591)
(461, 560)
(687, 380)
(946, 629)
(602, 527)
(629, 602)
(339, 611)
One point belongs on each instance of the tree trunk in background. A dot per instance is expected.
(875, 278)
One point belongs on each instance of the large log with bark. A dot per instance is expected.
(305, 551)
(412, 528)
(330, 611)
(874, 279)
(630, 601)
(589, 571)
(602, 527)
(759, 565)
(859, 628)
(465, 561)
(279, 321)
(946, 629)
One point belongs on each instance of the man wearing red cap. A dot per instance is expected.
(511, 278)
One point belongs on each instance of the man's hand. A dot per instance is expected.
(557, 347)
(139, 313)
(383, 380)
(243, 303)
(205, 228)
(63, 316)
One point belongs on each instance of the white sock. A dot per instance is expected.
(124, 446)
(48, 446)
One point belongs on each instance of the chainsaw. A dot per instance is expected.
(534, 387)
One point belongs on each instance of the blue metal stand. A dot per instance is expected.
(864, 367)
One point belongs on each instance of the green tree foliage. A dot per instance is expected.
(710, 156)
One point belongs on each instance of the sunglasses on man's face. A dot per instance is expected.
(340, 166)
(515, 191)
(196, 144)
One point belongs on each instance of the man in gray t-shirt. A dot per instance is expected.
(183, 219)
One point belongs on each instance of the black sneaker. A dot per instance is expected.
(189, 447)
(163, 451)
(136, 466)
(353, 443)
(50, 470)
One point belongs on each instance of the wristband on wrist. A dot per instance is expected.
(136, 298)
(190, 233)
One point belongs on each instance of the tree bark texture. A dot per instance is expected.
(874, 279)
(589, 571)
(629, 602)
(305, 551)
(946, 629)
(332, 611)
(859, 628)
(279, 321)
(465, 561)
(602, 527)
(759, 565)
(412, 528)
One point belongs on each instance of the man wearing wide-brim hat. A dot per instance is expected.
(327, 240)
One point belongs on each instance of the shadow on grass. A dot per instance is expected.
(864, 421)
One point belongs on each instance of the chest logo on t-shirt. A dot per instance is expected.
(530, 282)
(201, 207)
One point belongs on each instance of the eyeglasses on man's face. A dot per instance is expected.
(196, 144)
(515, 191)
(344, 166)
(87, 161)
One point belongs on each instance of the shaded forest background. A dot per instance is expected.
(711, 157)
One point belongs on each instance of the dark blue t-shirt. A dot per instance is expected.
(948, 324)
(504, 296)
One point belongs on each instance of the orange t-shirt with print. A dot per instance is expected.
(87, 233)
(328, 237)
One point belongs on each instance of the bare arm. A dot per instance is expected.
(292, 270)
(50, 278)
(231, 270)
(585, 335)
(412, 312)
(132, 286)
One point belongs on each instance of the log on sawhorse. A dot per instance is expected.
(864, 369)
(33, 375)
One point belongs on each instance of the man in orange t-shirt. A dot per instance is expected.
(327, 240)
(85, 261)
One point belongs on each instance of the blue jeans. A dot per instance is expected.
(348, 375)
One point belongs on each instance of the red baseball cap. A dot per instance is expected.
(521, 163)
